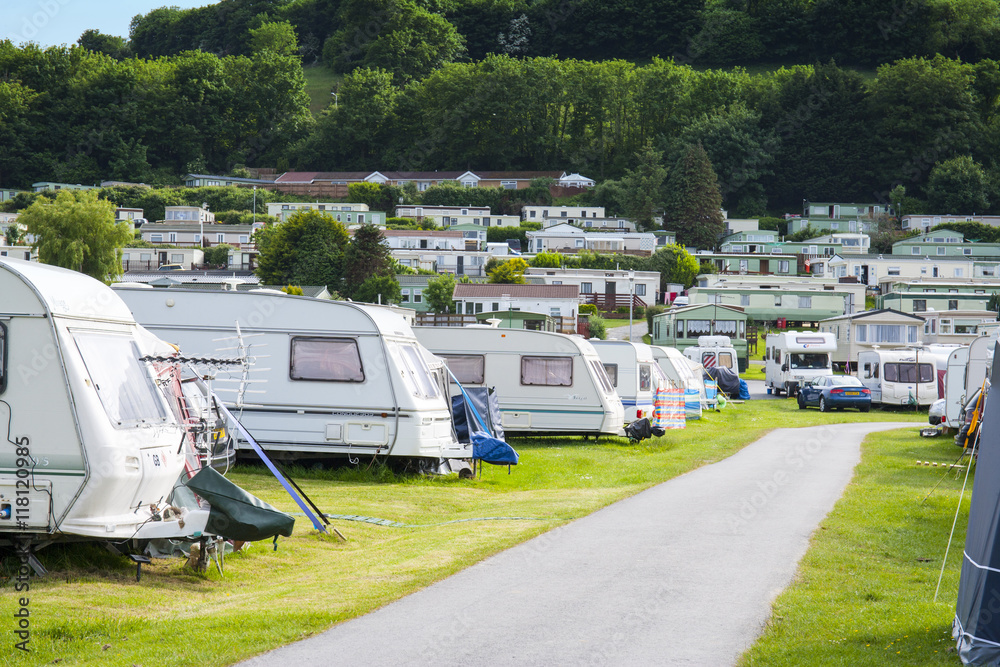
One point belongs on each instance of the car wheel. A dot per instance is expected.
(802, 404)
(822, 404)
(867, 408)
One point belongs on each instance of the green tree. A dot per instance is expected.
(78, 231)
(675, 264)
(641, 188)
(510, 272)
(367, 255)
(378, 289)
(439, 294)
(308, 249)
(218, 255)
(547, 260)
(694, 209)
(111, 45)
(958, 186)
(278, 37)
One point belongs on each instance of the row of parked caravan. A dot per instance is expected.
(339, 378)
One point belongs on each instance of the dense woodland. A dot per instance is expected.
(595, 87)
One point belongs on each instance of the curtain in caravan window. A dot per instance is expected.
(123, 384)
(549, 371)
(645, 377)
(467, 368)
(612, 372)
(326, 359)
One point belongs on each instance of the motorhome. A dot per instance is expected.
(792, 358)
(546, 382)
(634, 374)
(713, 352)
(328, 379)
(898, 376)
(92, 416)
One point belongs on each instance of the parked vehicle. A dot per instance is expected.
(898, 376)
(97, 429)
(967, 369)
(835, 391)
(634, 374)
(546, 382)
(792, 358)
(713, 351)
(332, 378)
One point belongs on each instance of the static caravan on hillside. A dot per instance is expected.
(792, 358)
(898, 376)
(681, 327)
(634, 374)
(93, 433)
(868, 330)
(546, 382)
(332, 378)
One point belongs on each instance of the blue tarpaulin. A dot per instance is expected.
(744, 391)
(487, 434)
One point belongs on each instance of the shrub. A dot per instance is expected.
(588, 309)
(598, 327)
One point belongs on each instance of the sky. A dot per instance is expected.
(57, 22)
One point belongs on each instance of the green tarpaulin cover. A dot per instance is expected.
(236, 514)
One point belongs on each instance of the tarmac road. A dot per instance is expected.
(681, 574)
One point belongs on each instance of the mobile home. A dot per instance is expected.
(546, 382)
(331, 378)
(900, 376)
(792, 358)
(682, 327)
(634, 374)
(92, 413)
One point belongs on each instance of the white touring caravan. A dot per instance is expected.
(331, 378)
(93, 437)
(967, 370)
(898, 376)
(546, 382)
(714, 351)
(634, 374)
(792, 358)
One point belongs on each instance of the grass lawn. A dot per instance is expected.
(90, 610)
(864, 592)
(320, 82)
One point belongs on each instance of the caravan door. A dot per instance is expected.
(954, 386)
(868, 373)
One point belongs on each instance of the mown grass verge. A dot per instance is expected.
(863, 593)
(91, 610)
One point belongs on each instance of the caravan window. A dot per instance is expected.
(726, 360)
(467, 368)
(326, 360)
(548, 371)
(612, 372)
(602, 376)
(726, 328)
(908, 373)
(697, 328)
(123, 384)
(645, 377)
(420, 378)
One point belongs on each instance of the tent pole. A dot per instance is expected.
(944, 561)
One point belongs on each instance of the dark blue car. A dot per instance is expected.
(836, 391)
